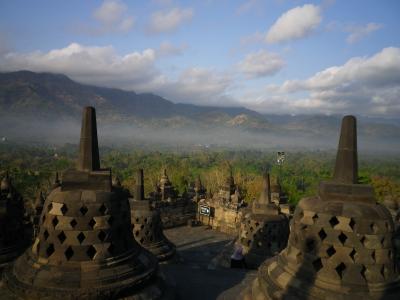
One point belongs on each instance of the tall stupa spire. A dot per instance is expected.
(89, 149)
(139, 186)
(346, 168)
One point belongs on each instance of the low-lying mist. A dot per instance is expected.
(125, 135)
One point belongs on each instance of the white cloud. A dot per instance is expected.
(169, 20)
(295, 23)
(136, 71)
(87, 64)
(200, 86)
(363, 85)
(112, 15)
(261, 64)
(359, 32)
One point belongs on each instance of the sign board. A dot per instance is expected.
(204, 210)
(280, 158)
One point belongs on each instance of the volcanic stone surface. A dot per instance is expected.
(340, 245)
(146, 224)
(85, 248)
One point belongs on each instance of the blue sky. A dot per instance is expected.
(274, 56)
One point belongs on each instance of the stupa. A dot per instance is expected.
(13, 237)
(85, 248)
(263, 232)
(340, 245)
(37, 212)
(146, 224)
(167, 190)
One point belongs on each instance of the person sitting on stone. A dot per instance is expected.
(237, 258)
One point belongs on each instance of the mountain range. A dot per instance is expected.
(26, 95)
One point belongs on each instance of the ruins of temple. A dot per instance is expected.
(146, 224)
(14, 238)
(225, 213)
(280, 198)
(175, 210)
(265, 230)
(340, 244)
(85, 248)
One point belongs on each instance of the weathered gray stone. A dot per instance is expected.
(85, 248)
(340, 245)
(146, 224)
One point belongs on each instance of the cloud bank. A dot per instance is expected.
(295, 24)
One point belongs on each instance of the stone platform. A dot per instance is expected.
(196, 271)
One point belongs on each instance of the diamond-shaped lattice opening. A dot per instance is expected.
(92, 223)
(49, 207)
(62, 237)
(141, 240)
(102, 235)
(137, 233)
(362, 272)
(340, 269)
(251, 228)
(322, 234)
(83, 210)
(362, 240)
(103, 209)
(383, 271)
(44, 218)
(145, 220)
(331, 251)
(257, 224)
(373, 255)
(91, 252)
(81, 237)
(46, 235)
(353, 254)
(64, 209)
(383, 241)
(333, 221)
(352, 223)
(69, 253)
(50, 250)
(55, 221)
(374, 227)
(110, 220)
(317, 264)
(310, 244)
(342, 238)
(315, 218)
(111, 249)
(73, 223)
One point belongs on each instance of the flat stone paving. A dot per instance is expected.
(196, 271)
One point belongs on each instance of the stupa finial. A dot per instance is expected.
(139, 187)
(346, 168)
(89, 149)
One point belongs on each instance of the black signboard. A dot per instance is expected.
(204, 210)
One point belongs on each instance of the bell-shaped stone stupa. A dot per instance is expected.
(340, 245)
(13, 237)
(263, 232)
(85, 248)
(146, 224)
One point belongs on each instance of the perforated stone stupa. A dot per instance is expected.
(85, 248)
(340, 245)
(146, 224)
(13, 237)
(263, 232)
